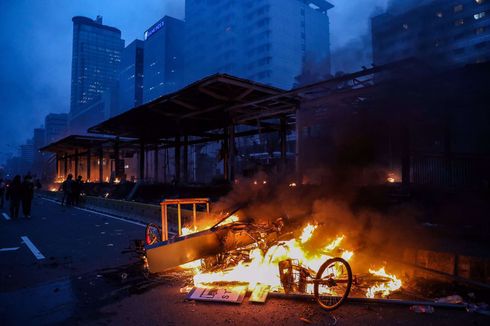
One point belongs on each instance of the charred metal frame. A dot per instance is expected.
(179, 202)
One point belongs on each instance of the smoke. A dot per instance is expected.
(373, 233)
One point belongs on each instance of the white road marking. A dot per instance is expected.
(9, 249)
(99, 213)
(6, 216)
(32, 247)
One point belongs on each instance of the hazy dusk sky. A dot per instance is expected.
(36, 41)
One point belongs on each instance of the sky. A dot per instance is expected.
(36, 46)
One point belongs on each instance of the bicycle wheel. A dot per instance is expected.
(153, 234)
(332, 283)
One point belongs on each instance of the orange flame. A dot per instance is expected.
(384, 288)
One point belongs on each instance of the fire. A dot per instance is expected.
(189, 230)
(307, 233)
(384, 288)
(263, 267)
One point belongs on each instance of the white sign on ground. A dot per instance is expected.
(234, 294)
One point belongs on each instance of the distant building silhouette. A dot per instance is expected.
(56, 126)
(163, 58)
(95, 67)
(440, 32)
(266, 41)
(131, 77)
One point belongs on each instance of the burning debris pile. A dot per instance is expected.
(261, 264)
(278, 244)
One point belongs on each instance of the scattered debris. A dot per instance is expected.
(450, 299)
(124, 276)
(481, 308)
(219, 294)
(422, 309)
(259, 294)
(110, 245)
(304, 320)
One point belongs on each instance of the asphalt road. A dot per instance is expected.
(89, 276)
(59, 251)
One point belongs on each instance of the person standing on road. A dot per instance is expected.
(14, 194)
(77, 189)
(67, 188)
(27, 195)
(2, 192)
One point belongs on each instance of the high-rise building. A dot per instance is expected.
(27, 152)
(39, 138)
(440, 32)
(95, 67)
(131, 77)
(268, 41)
(56, 126)
(163, 58)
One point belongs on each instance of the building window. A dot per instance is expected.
(479, 15)
(458, 8)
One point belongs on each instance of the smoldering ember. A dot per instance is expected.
(256, 162)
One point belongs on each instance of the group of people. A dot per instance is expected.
(18, 192)
(72, 190)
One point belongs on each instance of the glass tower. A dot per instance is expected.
(163, 58)
(95, 65)
(131, 77)
(268, 41)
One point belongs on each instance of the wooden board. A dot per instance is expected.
(259, 294)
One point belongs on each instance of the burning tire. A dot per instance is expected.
(332, 283)
(153, 233)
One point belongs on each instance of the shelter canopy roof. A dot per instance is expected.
(214, 102)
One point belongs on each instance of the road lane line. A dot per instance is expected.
(99, 213)
(6, 216)
(32, 247)
(9, 249)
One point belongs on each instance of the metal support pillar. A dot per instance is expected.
(76, 164)
(282, 135)
(65, 166)
(405, 159)
(225, 155)
(155, 163)
(58, 172)
(101, 165)
(177, 159)
(186, 159)
(231, 153)
(89, 164)
(116, 158)
(141, 176)
(447, 148)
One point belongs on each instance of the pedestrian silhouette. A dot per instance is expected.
(77, 189)
(14, 195)
(27, 195)
(67, 188)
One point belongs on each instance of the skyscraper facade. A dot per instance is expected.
(131, 77)
(268, 41)
(440, 32)
(163, 58)
(56, 126)
(95, 67)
